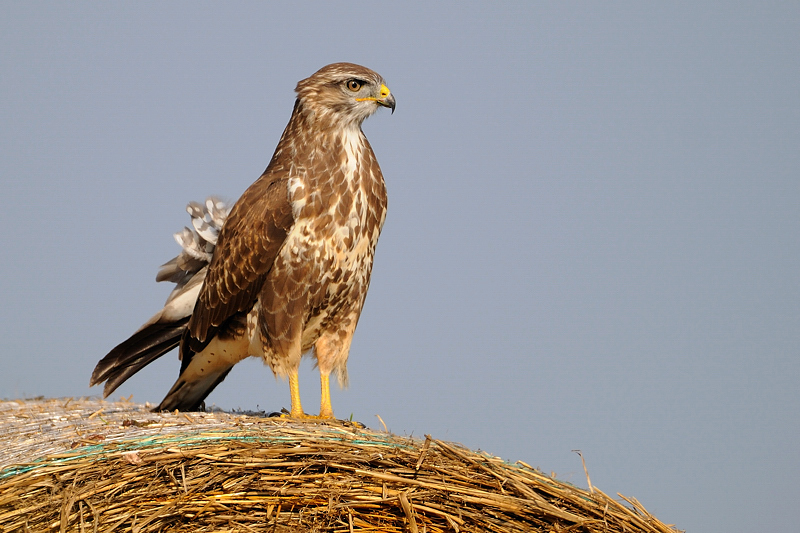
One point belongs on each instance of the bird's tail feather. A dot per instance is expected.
(141, 349)
(189, 396)
(163, 332)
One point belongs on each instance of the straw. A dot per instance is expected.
(87, 465)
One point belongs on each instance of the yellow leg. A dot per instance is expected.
(294, 390)
(325, 409)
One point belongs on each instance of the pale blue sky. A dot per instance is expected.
(593, 238)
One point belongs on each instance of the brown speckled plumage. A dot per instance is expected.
(292, 264)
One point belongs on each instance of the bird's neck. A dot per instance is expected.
(312, 134)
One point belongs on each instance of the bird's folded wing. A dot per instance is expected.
(246, 249)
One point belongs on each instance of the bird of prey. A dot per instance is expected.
(288, 272)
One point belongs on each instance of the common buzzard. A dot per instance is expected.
(289, 270)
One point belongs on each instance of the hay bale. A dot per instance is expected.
(90, 465)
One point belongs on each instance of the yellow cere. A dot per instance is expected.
(384, 93)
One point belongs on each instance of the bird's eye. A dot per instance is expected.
(354, 85)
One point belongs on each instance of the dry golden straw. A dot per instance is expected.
(89, 466)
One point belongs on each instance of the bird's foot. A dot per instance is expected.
(304, 416)
(286, 414)
(300, 415)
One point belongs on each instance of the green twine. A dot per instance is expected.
(190, 439)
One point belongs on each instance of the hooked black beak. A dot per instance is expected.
(388, 102)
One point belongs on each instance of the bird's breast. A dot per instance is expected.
(337, 236)
(319, 280)
(338, 202)
(339, 205)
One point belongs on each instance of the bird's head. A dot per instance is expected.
(345, 93)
